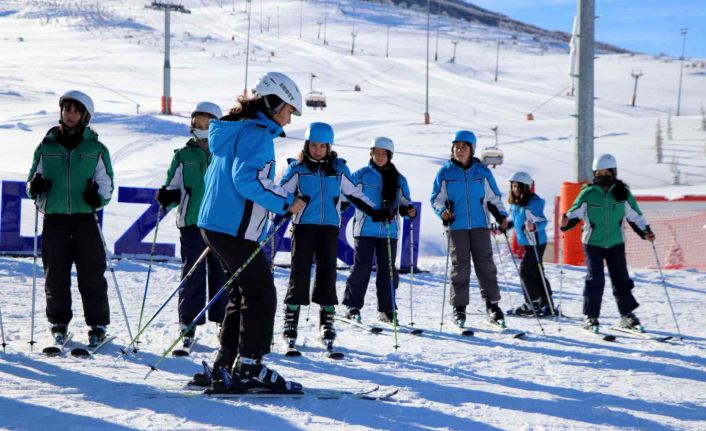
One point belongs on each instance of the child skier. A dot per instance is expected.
(239, 192)
(70, 179)
(604, 206)
(324, 179)
(464, 189)
(527, 214)
(185, 187)
(387, 188)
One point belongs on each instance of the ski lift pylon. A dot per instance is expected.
(315, 99)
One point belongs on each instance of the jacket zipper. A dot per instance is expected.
(321, 194)
(68, 183)
(607, 219)
(468, 204)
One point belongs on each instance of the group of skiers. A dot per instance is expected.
(224, 187)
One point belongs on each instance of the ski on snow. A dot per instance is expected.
(184, 350)
(57, 349)
(88, 350)
(643, 334)
(401, 328)
(374, 393)
(329, 353)
(359, 325)
(502, 329)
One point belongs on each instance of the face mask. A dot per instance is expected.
(200, 134)
(604, 180)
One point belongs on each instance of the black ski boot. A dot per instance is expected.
(189, 337)
(96, 335)
(591, 324)
(353, 314)
(495, 314)
(326, 327)
(291, 322)
(630, 321)
(460, 316)
(251, 373)
(525, 310)
(58, 332)
(204, 379)
(387, 317)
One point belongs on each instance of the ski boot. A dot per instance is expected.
(631, 322)
(291, 321)
(495, 314)
(387, 317)
(460, 316)
(204, 379)
(326, 328)
(525, 310)
(189, 336)
(58, 332)
(224, 362)
(251, 373)
(591, 324)
(353, 314)
(96, 335)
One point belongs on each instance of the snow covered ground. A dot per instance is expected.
(563, 380)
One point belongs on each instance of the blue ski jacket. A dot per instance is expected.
(533, 212)
(239, 186)
(369, 180)
(469, 193)
(324, 191)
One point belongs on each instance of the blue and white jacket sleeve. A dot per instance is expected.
(352, 193)
(493, 198)
(290, 179)
(405, 198)
(253, 174)
(439, 195)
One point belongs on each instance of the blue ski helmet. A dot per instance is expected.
(467, 137)
(319, 132)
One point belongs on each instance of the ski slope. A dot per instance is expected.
(113, 50)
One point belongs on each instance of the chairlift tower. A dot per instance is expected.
(168, 9)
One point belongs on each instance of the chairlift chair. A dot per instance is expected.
(492, 156)
(315, 99)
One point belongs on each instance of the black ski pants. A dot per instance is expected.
(531, 274)
(250, 313)
(614, 257)
(69, 239)
(357, 283)
(309, 241)
(192, 297)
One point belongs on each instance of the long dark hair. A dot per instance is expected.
(620, 191)
(524, 197)
(247, 107)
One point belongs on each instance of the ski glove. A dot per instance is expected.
(404, 211)
(91, 195)
(382, 215)
(166, 197)
(39, 186)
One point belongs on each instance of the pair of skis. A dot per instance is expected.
(330, 352)
(81, 351)
(373, 393)
(379, 326)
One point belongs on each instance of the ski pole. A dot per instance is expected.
(502, 265)
(149, 271)
(561, 276)
(34, 277)
(392, 285)
(446, 276)
(666, 291)
(542, 274)
(2, 332)
(218, 294)
(522, 282)
(411, 272)
(112, 272)
(132, 342)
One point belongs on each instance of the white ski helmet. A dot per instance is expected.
(208, 108)
(384, 143)
(281, 86)
(521, 177)
(604, 161)
(81, 98)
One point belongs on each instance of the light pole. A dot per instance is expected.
(497, 60)
(453, 57)
(636, 74)
(683, 32)
(167, 77)
(260, 16)
(247, 47)
(301, 17)
(325, 19)
(277, 22)
(427, 118)
(584, 119)
(387, 43)
(353, 34)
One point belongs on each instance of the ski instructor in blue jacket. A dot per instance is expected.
(239, 193)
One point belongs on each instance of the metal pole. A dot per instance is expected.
(453, 57)
(436, 49)
(247, 49)
(584, 120)
(260, 16)
(166, 93)
(301, 17)
(635, 74)
(325, 19)
(497, 61)
(277, 22)
(354, 34)
(387, 43)
(683, 32)
(426, 110)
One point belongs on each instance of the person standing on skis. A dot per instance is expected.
(527, 215)
(604, 206)
(185, 187)
(388, 190)
(464, 189)
(321, 176)
(239, 193)
(70, 179)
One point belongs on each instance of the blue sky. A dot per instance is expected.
(649, 26)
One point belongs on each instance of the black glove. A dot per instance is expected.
(404, 211)
(381, 215)
(166, 197)
(91, 195)
(39, 185)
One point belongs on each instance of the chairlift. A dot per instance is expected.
(315, 99)
(492, 156)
